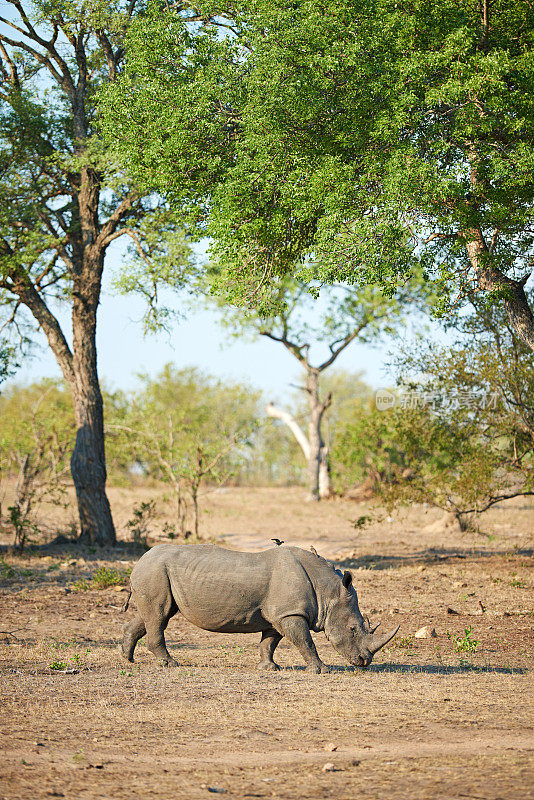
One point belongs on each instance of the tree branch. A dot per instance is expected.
(35, 53)
(493, 240)
(111, 58)
(57, 246)
(49, 45)
(110, 225)
(14, 76)
(291, 346)
(493, 500)
(326, 405)
(345, 343)
(48, 323)
(292, 424)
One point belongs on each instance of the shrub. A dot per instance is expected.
(109, 576)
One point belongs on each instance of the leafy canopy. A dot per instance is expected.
(350, 138)
(62, 192)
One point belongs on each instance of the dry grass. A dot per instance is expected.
(424, 722)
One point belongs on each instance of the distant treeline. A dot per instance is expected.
(160, 427)
(459, 437)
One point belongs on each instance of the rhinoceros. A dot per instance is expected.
(283, 591)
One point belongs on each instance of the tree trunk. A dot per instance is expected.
(325, 487)
(293, 426)
(194, 497)
(318, 467)
(314, 449)
(181, 509)
(88, 462)
(490, 279)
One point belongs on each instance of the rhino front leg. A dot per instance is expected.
(297, 630)
(269, 642)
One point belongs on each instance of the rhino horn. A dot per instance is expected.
(367, 625)
(375, 643)
(373, 628)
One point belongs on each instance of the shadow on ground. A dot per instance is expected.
(424, 669)
(430, 556)
(64, 547)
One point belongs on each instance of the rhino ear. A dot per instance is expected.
(347, 579)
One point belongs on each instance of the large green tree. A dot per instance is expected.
(64, 200)
(367, 137)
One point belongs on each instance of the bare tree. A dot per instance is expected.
(345, 314)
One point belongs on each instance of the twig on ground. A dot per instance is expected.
(12, 633)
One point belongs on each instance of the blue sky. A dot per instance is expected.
(198, 340)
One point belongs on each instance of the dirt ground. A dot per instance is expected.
(443, 717)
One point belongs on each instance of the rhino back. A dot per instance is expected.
(218, 589)
(229, 591)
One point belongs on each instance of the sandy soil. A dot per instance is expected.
(425, 721)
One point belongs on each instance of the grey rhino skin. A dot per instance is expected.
(284, 591)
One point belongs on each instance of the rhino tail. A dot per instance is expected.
(127, 603)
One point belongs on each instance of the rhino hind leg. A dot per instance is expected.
(269, 642)
(297, 630)
(155, 613)
(133, 631)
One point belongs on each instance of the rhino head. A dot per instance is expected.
(346, 629)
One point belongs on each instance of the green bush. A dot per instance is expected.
(465, 643)
(109, 576)
(103, 578)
